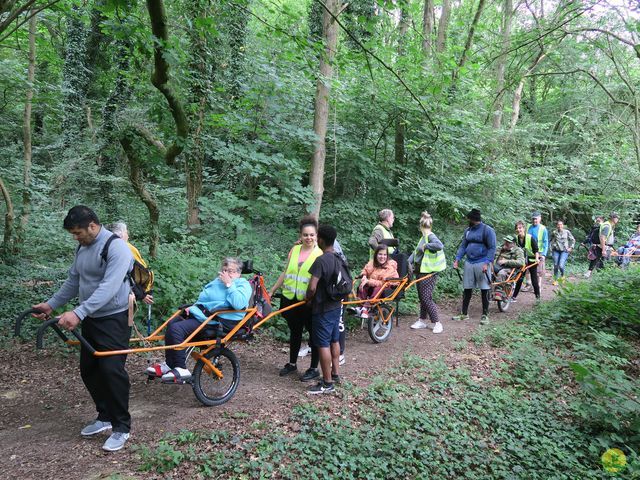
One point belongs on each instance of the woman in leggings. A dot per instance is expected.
(427, 260)
(294, 281)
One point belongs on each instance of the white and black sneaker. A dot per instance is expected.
(321, 387)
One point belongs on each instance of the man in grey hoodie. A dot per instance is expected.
(103, 293)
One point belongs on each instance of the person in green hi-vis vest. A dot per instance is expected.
(382, 233)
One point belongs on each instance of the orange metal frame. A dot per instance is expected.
(157, 335)
(512, 278)
(376, 301)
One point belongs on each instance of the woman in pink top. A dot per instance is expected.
(375, 273)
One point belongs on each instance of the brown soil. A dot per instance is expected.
(43, 403)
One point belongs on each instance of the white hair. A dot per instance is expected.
(119, 228)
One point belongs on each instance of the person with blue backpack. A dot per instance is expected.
(478, 245)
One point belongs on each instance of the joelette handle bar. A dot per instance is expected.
(20, 318)
(53, 323)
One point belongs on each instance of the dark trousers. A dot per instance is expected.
(105, 377)
(425, 293)
(535, 281)
(298, 320)
(596, 262)
(179, 330)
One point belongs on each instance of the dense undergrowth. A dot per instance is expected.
(542, 397)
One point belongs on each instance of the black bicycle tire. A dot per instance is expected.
(371, 324)
(198, 373)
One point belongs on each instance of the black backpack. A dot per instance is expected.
(594, 235)
(341, 284)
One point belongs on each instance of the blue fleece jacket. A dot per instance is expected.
(478, 244)
(216, 296)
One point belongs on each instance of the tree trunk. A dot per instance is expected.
(321, 105)
(427, 28)
(502, 61)
(193, 169)
(160, 77)
(74, 80)
(469, 42)
(8, 220)
(109, 152)
(443, 25)
(26, 129)
(238, 25)
(517, 95)
(400, 130)
(137, 182)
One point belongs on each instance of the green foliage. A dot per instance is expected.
(524, 417)
(470, 432)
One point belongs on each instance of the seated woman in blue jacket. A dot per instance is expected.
(227, 291)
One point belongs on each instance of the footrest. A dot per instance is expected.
(177, 381)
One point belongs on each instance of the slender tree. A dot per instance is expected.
(26, 129)
(443, 25)
(507, 16)
(321, 104)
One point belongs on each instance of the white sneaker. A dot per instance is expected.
(157, 369)
(170, 377)
(342, 360)
(418, 324)
(437, 327)
(304, 351)
(587, 274)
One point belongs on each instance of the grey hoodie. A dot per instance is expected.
(100, 286)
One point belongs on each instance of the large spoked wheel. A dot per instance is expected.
(211, 390)
(379, 329)
(503, 305)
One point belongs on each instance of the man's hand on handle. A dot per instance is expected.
(44, 308)
(69, 320)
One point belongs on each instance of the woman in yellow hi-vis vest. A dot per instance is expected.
(382, 233)
(294, 281)
(428, 258)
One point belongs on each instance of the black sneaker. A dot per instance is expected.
(321, 387)
(310, 374)
(335, 378)
(287, 369)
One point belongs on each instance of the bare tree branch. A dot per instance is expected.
(387, 67)
(5, 24)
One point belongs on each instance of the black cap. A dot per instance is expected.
(474, 215)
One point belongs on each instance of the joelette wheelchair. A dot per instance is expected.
(502, 292)
(216, 373)
(385, 304)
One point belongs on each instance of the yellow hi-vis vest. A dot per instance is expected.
(385, 234)
(541, 230)
(528, 250)
(296, 278)
(609, 240)
(432, 262)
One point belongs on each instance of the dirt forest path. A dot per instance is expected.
(43, 403)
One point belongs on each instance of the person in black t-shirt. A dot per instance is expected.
(326, 312)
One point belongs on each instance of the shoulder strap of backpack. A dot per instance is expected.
(105, 249)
